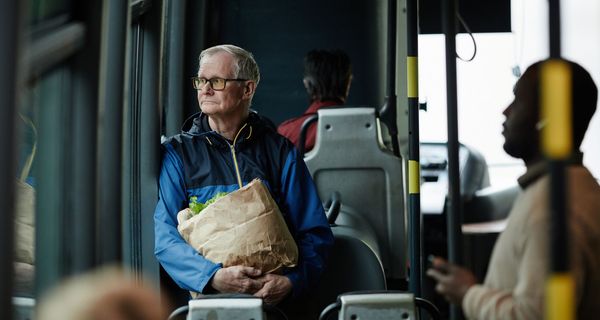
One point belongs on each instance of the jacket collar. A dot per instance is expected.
(316, 105)
(541, 168)
(198, 126)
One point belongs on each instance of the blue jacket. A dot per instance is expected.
(200, 162)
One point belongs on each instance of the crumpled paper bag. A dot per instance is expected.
(244, 227)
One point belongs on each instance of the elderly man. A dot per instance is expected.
(520, 263)
(226, 147)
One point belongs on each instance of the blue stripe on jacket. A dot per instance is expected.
(310, 227)
(184, 264)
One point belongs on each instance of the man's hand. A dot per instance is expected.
(275, 288)
(237, 279)
(453, 281)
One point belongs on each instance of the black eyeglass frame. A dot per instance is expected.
(210, 81)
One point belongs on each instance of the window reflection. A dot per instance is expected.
(24, 259)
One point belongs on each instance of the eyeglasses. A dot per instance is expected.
(216, 84)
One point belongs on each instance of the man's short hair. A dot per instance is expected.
(326, 74)
(584, 98)
(245, 66)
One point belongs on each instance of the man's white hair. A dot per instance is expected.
(245, 66)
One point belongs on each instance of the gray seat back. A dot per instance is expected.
(352, 266)
(347, 158)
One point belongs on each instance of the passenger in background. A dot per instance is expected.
(520, 263)
(327, 78)
(228, 146)
(108, 293)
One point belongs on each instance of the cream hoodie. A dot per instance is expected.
(515, 281)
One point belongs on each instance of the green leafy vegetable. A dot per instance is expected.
(196, 207)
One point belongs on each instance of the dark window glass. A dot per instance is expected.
(49, 12)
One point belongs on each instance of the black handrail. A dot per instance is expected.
(433, 311)
(387, 113)
(303, 131)
(333, 206)
(179, 313)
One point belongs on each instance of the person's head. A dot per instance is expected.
(227, 80)
(327, 75)
(522, 125)
(108, 293)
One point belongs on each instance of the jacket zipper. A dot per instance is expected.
(235, 163)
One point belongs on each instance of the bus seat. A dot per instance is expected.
(352, 266)
(473, 170)
(23, 308)
(380, 305)
(484, 218)
(490, 204)
(347, 158)
(352, 224)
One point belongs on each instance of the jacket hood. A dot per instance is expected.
(196, 124)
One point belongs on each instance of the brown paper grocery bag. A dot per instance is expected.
(244, 227)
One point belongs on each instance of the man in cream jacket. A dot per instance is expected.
(520, 263)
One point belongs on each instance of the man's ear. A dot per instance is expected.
(249, 89)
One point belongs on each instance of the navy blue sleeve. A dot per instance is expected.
(186, 266)
(309, 225)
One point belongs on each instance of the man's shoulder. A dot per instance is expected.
(269, 140)
(584, 192)
(174, 140)
(275, 139)
(291, 128)
(262, 121)
(293, 123)
(170, 140)
(183, 141)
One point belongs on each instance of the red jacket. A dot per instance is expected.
(291, 128)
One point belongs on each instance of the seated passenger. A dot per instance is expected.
(520, 262)
(327, 78)
(227, 147)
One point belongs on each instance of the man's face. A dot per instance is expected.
(233, 99)
(520, 133)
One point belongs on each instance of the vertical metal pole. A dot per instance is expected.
(173, 103)
(84, 139)
(149, 128)
(414, 176)
(559, 240)
(554, 27)
(555, 80)
(453, 212)
(110, 125)
(9, 44)
(556, 100)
